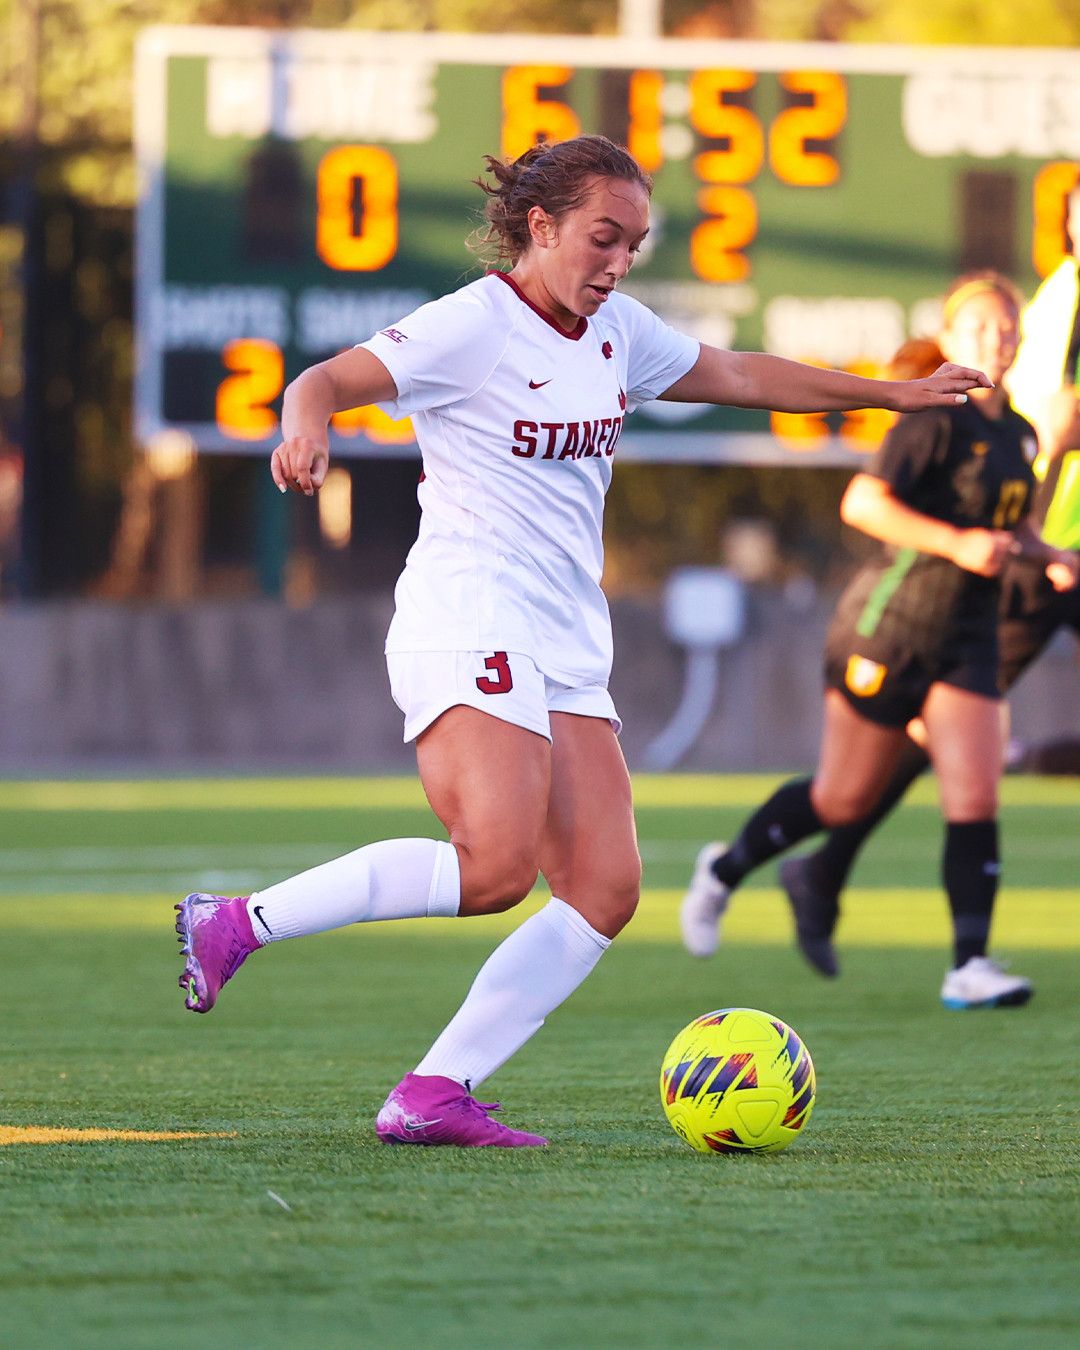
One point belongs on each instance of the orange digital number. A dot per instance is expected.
(1052, 185)
(375, 424)
(341, 240)
(527, 118)
(242, 406)
(861, 429)
(716, 244)
(865, 428)
(741, 159)
(646, 121)
(820, 120)
(799, 431)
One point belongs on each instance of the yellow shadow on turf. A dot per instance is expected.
(261, 794)
(47, 1134)
(1043, 919)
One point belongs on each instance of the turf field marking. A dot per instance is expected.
(400, 793)
(64, 856)
(240, 869)
(47, 1134)
(1029, 918)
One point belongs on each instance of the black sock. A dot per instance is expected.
(970, 870)
(786, 817)
(830, 865)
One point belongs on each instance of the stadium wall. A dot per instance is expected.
(253, 685)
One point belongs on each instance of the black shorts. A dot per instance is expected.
(1031, 613)
(888, 683)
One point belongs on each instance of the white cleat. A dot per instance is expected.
(704, 904)
(981, 983)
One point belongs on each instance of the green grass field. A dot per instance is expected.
(933, 1200)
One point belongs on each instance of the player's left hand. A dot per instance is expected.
(1064, 571)
(945, 388)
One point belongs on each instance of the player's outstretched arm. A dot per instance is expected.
(870, 505)
(352, 379)
(757, 380)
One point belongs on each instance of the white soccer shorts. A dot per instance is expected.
(505, 684)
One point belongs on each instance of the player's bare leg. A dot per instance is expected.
(857, 757)
(487, 781)
(589, 855)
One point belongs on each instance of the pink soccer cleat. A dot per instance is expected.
(217, 938)
(432, 1110)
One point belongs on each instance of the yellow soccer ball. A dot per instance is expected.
(737, 1081)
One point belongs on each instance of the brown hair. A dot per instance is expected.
(971, 284)
(915, 360)
(556, 177)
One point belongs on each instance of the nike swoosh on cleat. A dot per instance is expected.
(539, 384)
(416, 1123)
(257, 911)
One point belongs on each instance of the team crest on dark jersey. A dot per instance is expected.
(864, 677)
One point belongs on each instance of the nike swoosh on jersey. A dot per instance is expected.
(539, 384)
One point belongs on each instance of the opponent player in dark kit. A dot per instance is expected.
(915, 635)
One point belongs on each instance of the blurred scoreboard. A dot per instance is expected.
(301, 190)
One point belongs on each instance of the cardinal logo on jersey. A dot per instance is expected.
(607, 351)
(864, 677)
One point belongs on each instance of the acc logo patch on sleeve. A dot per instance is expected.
(864, 677)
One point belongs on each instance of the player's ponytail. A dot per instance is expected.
(556, 177)
(915, 359)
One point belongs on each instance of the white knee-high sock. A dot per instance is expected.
(394, 879)
(526, 977)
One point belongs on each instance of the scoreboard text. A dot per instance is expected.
(302, 190)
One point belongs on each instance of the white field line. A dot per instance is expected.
(251, 858)
(239, 869)
(64, 858)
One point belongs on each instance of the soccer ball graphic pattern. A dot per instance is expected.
(737, 1081)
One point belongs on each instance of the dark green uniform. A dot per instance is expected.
(908, 619)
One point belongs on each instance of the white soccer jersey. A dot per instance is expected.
(518, 422)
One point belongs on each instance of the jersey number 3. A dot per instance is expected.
(501, 682)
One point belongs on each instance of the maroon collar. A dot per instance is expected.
(577, 332)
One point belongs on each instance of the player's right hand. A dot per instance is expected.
(300, 465)
(982, 551)
(948, 385)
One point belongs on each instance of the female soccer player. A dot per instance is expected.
(915, 635)
(500, 645)
(1030, 613)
